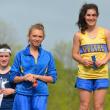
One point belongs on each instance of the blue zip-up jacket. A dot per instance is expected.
(25, 63)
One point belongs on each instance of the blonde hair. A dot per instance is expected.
(38, 26)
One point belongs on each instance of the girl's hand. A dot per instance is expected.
(100, 62)
(87, 62)
(8, 91)
(0, 91)
(29, 77)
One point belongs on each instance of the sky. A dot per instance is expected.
(58, 16)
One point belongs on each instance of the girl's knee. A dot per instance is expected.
(84, 106)
(98, 106)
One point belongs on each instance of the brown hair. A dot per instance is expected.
(81, 21)
(38, 26)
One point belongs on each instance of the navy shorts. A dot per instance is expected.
(92, 84)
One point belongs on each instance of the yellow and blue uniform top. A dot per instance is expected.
(89, 47)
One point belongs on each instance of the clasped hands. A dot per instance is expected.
(30, 77)
(89, 63)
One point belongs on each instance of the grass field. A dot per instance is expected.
(63, 95)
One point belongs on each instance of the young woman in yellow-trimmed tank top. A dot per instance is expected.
(91, 49)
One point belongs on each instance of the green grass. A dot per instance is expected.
(63, 95)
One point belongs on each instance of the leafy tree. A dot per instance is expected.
(8, 35)
(63, 52)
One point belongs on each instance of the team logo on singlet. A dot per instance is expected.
(93, 48)
(3, 82)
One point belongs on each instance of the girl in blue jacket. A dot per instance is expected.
(32, 70)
